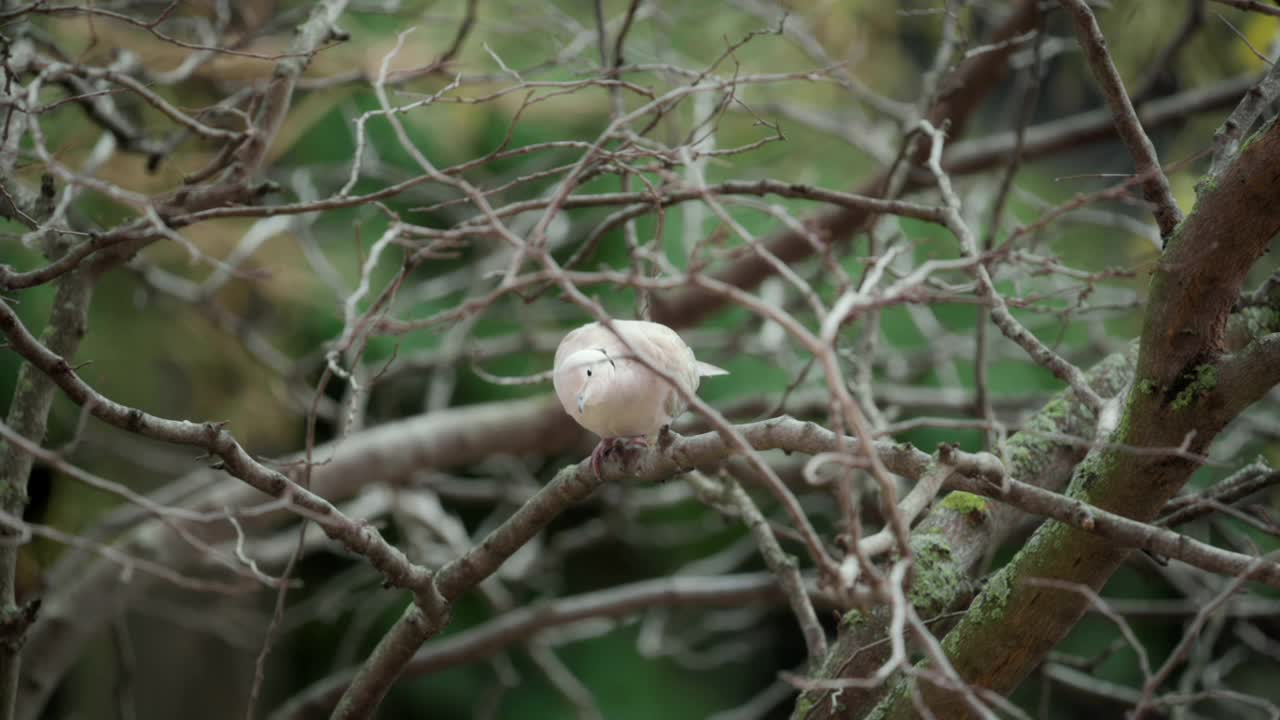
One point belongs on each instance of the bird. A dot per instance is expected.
(605, 388)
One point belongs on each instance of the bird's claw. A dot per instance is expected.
(666, 436)
(597, 457)
(608, 445)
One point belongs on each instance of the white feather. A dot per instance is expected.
(603, 384)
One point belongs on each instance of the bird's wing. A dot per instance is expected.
(665, 349)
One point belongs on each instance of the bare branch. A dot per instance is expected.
(1155, 185)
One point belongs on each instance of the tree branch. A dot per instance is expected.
(527, 621)
(783, 567)
(570, 486)
(957, 534)
(1155, 186)
(975, 79)
(355, 536)
(29, 417)
(1226, 141)
(1175, 401)
(1130, 533)
(392, 453)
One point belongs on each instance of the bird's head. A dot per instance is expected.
(585, 374)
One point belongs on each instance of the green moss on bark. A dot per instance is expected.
(853, 619)
(1259, 320)
(1033, 449)
(965, 503)
(804, 705)
(936, 580)
(1204, 378)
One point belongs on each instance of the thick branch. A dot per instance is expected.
(959, 531)
(1226, 140)
(1183, 395)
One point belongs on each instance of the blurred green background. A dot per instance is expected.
(172, 358)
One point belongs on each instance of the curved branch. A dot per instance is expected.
(571, 485)
(1122, 530)
(387, 453)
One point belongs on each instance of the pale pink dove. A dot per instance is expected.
(609, 392)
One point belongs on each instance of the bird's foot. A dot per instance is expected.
(633, 443)
(666, 436)
(618, 445)
(597, 456)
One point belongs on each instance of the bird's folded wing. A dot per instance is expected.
(666, 350)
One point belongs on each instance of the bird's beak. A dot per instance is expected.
(582, 400)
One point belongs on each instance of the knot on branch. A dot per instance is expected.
(14, 623)
(435, 608)
(213, 429)
(982, 465)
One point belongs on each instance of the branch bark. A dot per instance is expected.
(29, 416)
(1155, 186)
(975, 79)
(389, 453)
(483, 640)
(1183, 395)
(570, 486)
(957, 533)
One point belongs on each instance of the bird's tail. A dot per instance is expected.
(709, 370)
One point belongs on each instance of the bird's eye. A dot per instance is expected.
(588, 373)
